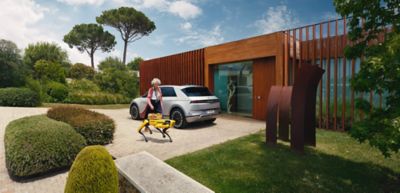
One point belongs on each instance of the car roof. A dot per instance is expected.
(181, 86)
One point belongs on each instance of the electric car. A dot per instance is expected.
(184, 104)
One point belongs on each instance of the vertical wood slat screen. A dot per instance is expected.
(179, 69)
(323, 44)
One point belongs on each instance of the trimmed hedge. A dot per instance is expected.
(92, 171)
(96, 98)
(19, 97)
(37, 145)
(97, 128)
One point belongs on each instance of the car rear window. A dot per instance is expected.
(196, 91)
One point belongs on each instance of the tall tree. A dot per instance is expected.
(45, 51)
(379, 72)
(89, 38)
(131, 24)
(134, 64)
(11, 67)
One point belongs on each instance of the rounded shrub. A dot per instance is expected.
(92, 171)
(36, 145)
(18, 97)
(57, 91)
(97, 128)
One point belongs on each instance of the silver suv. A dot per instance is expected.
(184, 104)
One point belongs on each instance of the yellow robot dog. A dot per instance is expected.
(156, 120)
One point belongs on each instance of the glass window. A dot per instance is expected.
(233, 85)
(196, 91)
(168, 92)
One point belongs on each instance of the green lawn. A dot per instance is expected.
(337, 164)
(111, 106)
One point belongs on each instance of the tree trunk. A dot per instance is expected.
(125, 47)
(92, 59)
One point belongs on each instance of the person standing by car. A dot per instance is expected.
(154, 97)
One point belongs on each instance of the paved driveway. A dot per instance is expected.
(127, 141)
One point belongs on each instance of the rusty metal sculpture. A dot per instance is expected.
(284, 113)
(300, 101)
(272, 112)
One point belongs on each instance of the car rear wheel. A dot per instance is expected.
(135, 115)
(179, 117)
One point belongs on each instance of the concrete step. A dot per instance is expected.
(149, 174)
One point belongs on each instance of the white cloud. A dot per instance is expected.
(203, 37)
(184, 9)
(186, 26)
(181, 8)
(157, 4)
(64, 18)
(158, 40)
(82, 2)
(18, 16)
(276, 19)
(22, 18)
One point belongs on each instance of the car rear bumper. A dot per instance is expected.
(201, 117)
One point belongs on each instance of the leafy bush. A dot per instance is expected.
(35, 86)
(79, 71)
(112, 63)
(118, 81)
(135, 63)
(92, 171)
(57, 91)
(96, 98)
(83, 85)
(18, 97)
(97, 128)
(46, 70)
(37, 145)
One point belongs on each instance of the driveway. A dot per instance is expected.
(128, 141)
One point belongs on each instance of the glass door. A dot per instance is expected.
(233, 85)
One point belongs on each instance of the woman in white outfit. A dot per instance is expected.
(154, 97)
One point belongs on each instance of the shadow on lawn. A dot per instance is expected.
(249, 165)
(319, 172)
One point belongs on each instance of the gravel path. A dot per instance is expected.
(128, 141)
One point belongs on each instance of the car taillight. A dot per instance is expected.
(205, 101)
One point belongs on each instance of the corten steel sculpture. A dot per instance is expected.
(272, 114)
(284, 113)
(300, 100)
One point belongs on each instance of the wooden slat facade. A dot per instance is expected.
(179, 69)
(325, 48)
(320, 44)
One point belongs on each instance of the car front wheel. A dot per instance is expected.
(135, 112)
(179, 117)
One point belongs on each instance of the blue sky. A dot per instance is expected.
(182, 25)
